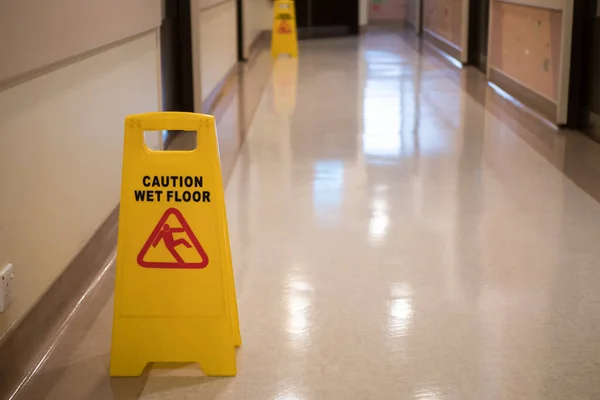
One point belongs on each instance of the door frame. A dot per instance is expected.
(580, 115)
(419, 17)
(240, 30)
(474, 30)
(564, 75)
(466, 30)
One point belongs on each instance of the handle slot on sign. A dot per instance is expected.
(284, 6)
(171, 140)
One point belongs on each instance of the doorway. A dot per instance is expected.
(325, 18)
(589, 104)
(479, 22)
(419, 18)
(240, 29)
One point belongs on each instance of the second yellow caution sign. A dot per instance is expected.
(284, 38)
(175, 295)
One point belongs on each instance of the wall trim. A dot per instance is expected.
(263, 37)
(465, 32)
(565, 63)
(489, 39)
(97, 23)
(213, 99)
(530, 98)
(548, 4)
(443, 44)
(212, 4)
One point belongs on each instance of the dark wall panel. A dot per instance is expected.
(327, 16)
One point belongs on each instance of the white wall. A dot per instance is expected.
(61, 140)
(215, 46)
(258, 17)
(363, 12)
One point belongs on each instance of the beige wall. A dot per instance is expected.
(214, 31)
(70, 73)
(411, 11)
(363, 12)
(61, 138)
(258, 16)
(525, 44)
(444, 18)
(215, 38)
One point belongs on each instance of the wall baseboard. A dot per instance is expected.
(213, 99)
(263, 38)
(544, 106)
(593, 124)
(443, 44)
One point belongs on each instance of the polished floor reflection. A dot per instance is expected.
(397, 233)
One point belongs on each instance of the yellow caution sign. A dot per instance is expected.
(175, 295)
(284, 38)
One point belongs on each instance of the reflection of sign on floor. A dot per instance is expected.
(284, 28)
(285, 77)
(172, 244)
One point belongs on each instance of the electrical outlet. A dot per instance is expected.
(6, 287)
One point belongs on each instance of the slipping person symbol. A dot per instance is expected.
(166, 234)
(184, 248)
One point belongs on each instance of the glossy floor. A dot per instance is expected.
(396, 234)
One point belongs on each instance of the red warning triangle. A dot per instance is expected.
(164, 235)
(284, 27)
